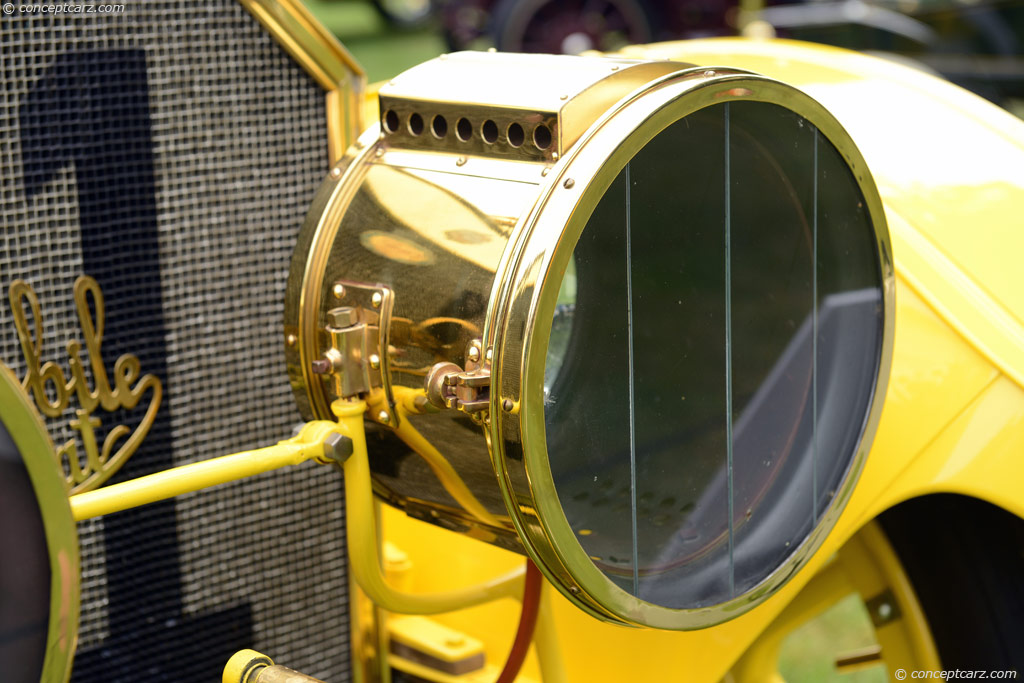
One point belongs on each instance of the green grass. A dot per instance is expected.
(808, 655)
(382, 50)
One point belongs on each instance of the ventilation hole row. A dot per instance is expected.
(514, 133)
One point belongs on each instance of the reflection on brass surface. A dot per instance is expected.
(45, 379)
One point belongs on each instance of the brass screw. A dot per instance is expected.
(336, 172)
(383, 417)
(291, 340)
(377, 299)
(342, 317)
(569, 182)
(709, 74)
(379, 153)
(321, 366)
(374, 361)
(574, 590)
(461, 161)
(544, 171)
(489, 354)
(474, 353)
(615, 67)
(507, 405)
(339, 291)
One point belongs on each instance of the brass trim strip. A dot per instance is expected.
(326, 61)
(25, 426)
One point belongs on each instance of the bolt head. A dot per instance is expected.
(339, 291)
(374, 361)
(337, 447)
(377, 299)
(569, 183)
(383, 417)
(342, 317)
(489, 354)
(507, 405)
(291, 340)
(474, 353)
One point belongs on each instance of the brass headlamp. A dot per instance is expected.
(635, 316)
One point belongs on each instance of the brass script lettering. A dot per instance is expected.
(52, 391)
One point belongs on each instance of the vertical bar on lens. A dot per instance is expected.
(728, 351)
(632, 403)
(814, 342)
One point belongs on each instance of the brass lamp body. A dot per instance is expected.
(440, 240)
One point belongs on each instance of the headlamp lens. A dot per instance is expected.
(706, 398)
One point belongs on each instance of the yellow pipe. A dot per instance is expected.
(545, 641)
(404, 405)
(308, 445)
(361, 527)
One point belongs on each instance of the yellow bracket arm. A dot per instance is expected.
(406, 404)
(325, 442)
(361, 526)
(314, 442)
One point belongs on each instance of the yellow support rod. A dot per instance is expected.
(363, 550)
(308, 445)
(446, 474)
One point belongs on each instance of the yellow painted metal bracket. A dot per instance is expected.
(409, 401)
(361, 526)
(325, 442)
(314, 442)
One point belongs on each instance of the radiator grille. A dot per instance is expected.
(171, 151)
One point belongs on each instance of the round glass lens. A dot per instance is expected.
(706, 398)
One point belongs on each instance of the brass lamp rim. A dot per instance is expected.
(26, 428)
(518, 328)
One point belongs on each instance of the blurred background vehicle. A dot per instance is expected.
(976, 44)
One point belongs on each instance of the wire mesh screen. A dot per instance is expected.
(170, 151)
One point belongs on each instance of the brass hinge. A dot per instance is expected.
(356, 338)
(469, 390)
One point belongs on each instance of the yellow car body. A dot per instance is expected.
(949, 167)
